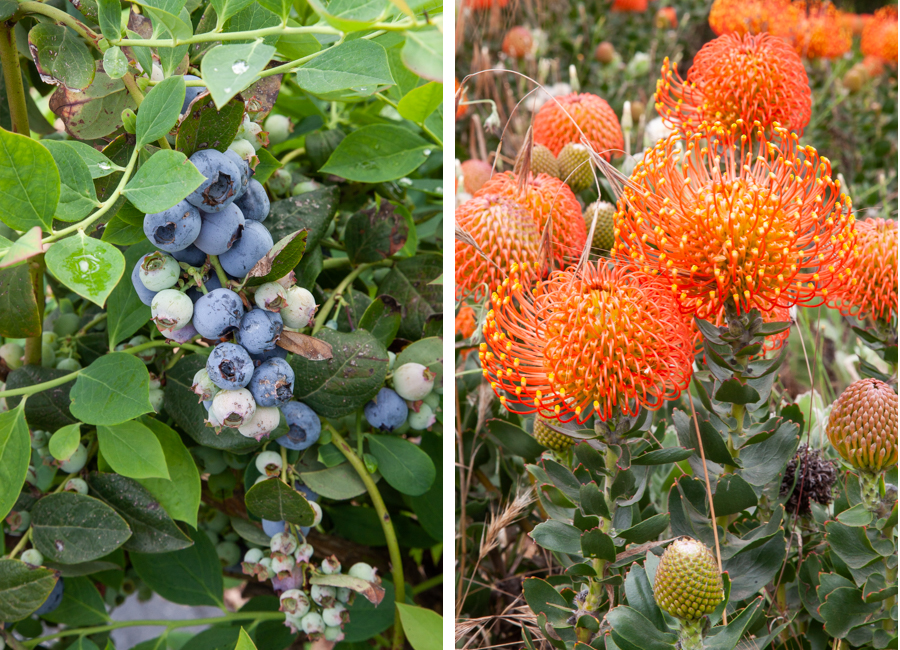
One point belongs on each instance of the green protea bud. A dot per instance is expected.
(604, 232)
(863, 425)
(549, 437)
(688, 583)
(543, 161)
(575, 166)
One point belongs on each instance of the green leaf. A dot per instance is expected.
(109, 16)
(378, 153)
(70, 528)
(163, 181)
(346, 382)
(118, 232)
(734, 392)
(65, 441)
(663, 456)
(115, 63)
(733, 494)
(266, 166)
(94, 112)
(409, 283)
(244, 642)
(557, 536)
(48, 409)
(19, 315)
(81, 605)
(850, 544)
(844, 609)
(126, 313)
(752, 570)
(29, 245)
(858, 515)
(296, 46)
(382, 319)
(77, 194)
(180, 493)
(206, 127)
(275, 500)
(89, 267)
(352, 70)
(171, 14)
(29, 182)
(113, 389)
(225, 9)
(350, 15)
(280, 260)
(132, 450)
(160, 110)
(372, 235)
(340, 482)
(191, 576)
(423, 627)
(153, 530)
(542, 598)
(15, 452)
(60, 54)
(404, 466)
(728, 636)
(647, 530)
(251, 18)
(281, 8)
(23, 589)
(597, 544)
(421, 102)
(422, 53)
(640, 596)
(765, 461)
(228, 69)
(632, 626)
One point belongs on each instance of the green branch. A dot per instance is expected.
(346, 282)
(386, 525)
(210, 37)
(12, 73)
(60, 17)
(167, 623)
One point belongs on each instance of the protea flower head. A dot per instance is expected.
(464, 323)
(755, 78)
(816, 29)
(632, 6)
(461, 106)
(863, 425)
(688, 584)
(807, 477)
(504, 232)
(567, 118)
(753, 220)
(481, 5)
(543, 161)
(475, 174)
(879, 36)
(517, 42)
(744, 16)
(596, 340)
(546, 434)
(546, 199)
(872, 289)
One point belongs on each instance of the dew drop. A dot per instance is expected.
(239, 67)
(427, 152)
(104, 165)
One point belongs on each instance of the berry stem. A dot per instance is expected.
(387, 526)
(12, 73)
(220, 272)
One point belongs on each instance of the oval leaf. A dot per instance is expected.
(89, 267)
(403, 465)
(70, 528)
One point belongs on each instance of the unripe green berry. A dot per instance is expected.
(33, 557)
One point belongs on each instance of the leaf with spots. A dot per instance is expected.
(70, 528)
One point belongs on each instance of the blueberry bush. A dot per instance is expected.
(220, 311)
(672, 432)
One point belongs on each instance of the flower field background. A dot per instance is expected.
(676, 326)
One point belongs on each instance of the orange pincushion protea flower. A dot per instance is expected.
(546, 199)
(461, 107)
(636, 6)
(558, 124)
(816, 30)
(475, 174)
(506, 234)
(485, 4)
(872, 291)
(464, 323)
(879, 36)
(599, 340)
(745, 16)
(757, 221)
(748, 77)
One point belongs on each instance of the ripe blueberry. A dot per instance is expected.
(190, 255)
(387, 411)
(53, 600)
(257, 332)
(246, 172)
(255, 202)
(272, 383)
(191, 92)
(222, 181)
(174, 229)
(219, 231)
(229, 366)
(304, 426)
(253, 245)
(218, 313)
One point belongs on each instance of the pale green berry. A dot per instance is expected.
(159, 271)
(279, 128)
(362, 571)
(156, 399)
(12, 354)
(242, 148)
(413, 381)
(144, 355)
(171, 310)
(253, 556)
(76, 461)
(421, 420)
(312, 623)
(332, 615)
(264, 421)
(233, 407)
(229, 553)
(270, 296)
(76, 485)
(33, 557)
(202, 386)
(299, 308)
(295, 603)
(68, 364)
(269, 463)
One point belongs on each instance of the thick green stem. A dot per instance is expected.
(62, 18)
(34, 344)
(870, 491)
(386, 525)
(12, 73)
(322, 317)
(220, 272)
(167, 623)
(691, 634)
